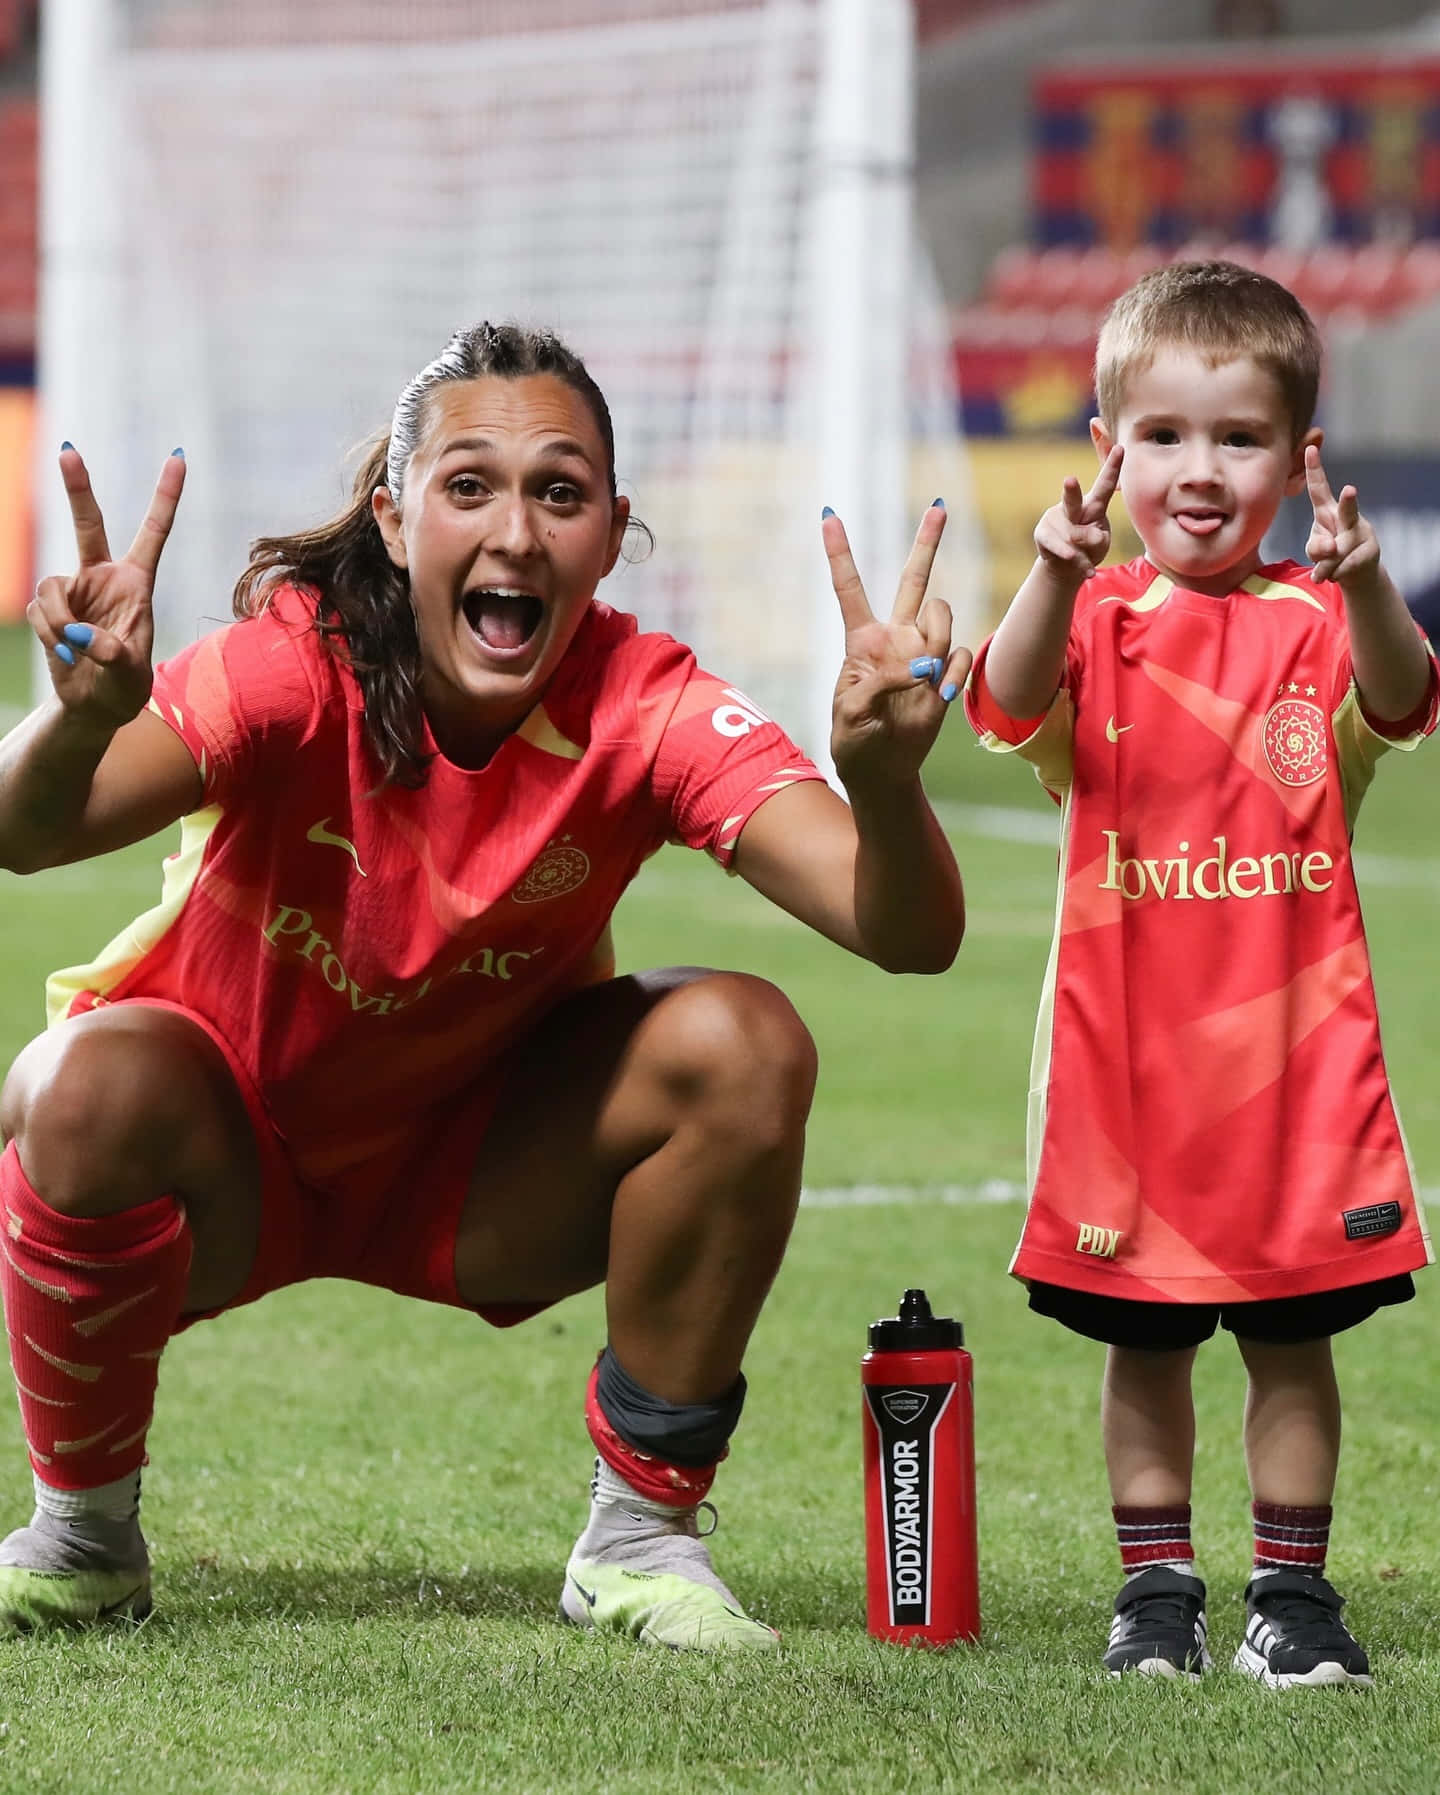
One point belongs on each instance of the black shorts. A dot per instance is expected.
(1175, 1327)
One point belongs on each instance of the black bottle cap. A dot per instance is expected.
(915, 1329)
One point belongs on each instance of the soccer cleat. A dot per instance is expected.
(1159, 1626)
(1294, 1636)
(51, 1577)
(660, 1608)
(642, 1568)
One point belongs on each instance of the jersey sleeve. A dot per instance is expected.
(1046, 742)
(245, 691)
(1361, 739)
(714, 756)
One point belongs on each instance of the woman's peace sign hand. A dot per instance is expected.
(96, 623)
(900, 676)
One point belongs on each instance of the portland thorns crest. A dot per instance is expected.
(1294, 737)
(558, 870)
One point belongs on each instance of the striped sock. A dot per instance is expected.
(89, 1305)
(1151, 1536)
(1291, 1539)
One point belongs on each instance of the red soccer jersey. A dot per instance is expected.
(368, 951)
(1210, 1116)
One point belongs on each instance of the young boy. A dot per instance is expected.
(1212, 1137)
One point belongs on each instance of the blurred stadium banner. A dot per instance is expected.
(17, 450)
(261, 220)
(1265, 146)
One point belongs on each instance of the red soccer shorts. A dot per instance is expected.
(399, 1237)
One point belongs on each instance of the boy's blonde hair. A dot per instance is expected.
(1222, 310)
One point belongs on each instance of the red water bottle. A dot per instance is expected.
(918, 1414)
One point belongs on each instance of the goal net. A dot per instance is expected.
(259, 221)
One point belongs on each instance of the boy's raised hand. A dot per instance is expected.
(96, 624)
(899, 676)
(1342, 545)
(1073, 537)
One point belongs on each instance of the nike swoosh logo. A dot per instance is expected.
(1114, 730)
(589, 1595)
(317, 832)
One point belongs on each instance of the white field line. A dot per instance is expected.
(999, 822)
(899, 1196)
(891, 1196)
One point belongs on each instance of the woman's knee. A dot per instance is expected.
(115, 1107)
(734, 1045)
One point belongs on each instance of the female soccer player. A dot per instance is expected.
(372, 1030)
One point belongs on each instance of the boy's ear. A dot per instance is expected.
(1103, 441)
(1295, 481)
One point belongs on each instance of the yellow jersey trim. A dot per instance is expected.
(1272, 589)
(541, 733)
(122, 955)
(1150, 599)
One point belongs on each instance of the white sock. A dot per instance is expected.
(608, 1487)
(1187, 1566)
(118, 1501)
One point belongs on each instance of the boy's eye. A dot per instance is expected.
(1240, 439)
(1164, 435)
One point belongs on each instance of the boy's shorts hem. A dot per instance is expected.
(1175, 1327)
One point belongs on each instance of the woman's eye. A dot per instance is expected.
(466, 486)
(562, 492)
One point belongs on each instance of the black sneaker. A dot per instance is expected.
(1294, 1636)
(1159, 1626)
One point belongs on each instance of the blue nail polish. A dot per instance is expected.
(922, 667)
(65, 446)
(177, 454)
(949, 693)
(829, 511)
(62, 653)
(937, 672)
(937, 504)
(79, 634)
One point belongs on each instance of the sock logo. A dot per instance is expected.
(906, 1420)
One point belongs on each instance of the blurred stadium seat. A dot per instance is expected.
(17, 227)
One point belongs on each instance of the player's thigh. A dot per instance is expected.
(136, 1101)
(594, 1090)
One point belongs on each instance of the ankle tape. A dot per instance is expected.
(666, 1451)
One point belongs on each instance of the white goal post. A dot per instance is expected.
(258, 221)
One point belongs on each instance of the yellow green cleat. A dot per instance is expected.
(33, 1601)
(660, 1608)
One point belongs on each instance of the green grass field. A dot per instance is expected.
(359, 1507)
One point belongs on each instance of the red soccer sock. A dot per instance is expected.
(1291, 1539)
(678, 1486)
(89, 1306)
(1153, 1536)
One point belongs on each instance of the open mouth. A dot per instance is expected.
(503, 618)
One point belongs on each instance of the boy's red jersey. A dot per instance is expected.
(368, 951)
(1210, 1115)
